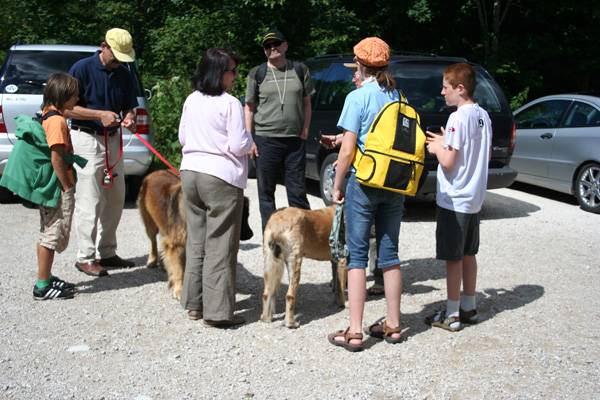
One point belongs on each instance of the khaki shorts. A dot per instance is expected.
(55, 223)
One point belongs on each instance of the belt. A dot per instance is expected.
(92, 131)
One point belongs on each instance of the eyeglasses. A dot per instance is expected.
(270, 45)
(234, 70)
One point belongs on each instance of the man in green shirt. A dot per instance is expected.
(278, 113)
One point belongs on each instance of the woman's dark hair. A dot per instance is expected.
(210, 71)
(383, 76)
(60, 87)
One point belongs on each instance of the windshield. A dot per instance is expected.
(422, 85)
(26, 72)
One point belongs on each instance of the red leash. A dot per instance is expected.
(156, 153)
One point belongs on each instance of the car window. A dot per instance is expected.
(335, 86)
(422, 84)
(318, 72)
(542, 115)
(26, 71)
(582, 115)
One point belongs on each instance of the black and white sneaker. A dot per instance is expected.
(58, 283)
(51, 292)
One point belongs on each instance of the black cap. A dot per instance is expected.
(273, 34)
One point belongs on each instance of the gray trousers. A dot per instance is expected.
(97, 209)
(213, 211)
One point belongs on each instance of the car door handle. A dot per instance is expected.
(547, 136)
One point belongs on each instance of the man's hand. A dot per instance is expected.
(304, 134)
(109, 119)
(328, 141)
(253, 153)
(129, 123)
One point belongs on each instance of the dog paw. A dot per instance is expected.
(266, 318)
(152, 264)
(292, 325)
(176, 293)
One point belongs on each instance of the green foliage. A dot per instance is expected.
(167, 100)
(519, 99)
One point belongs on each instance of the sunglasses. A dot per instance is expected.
(270, 45)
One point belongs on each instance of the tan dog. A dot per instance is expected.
(160, 202)
(290, 235)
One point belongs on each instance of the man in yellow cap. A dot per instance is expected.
(107, 99)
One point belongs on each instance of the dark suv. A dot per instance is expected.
(420, 78)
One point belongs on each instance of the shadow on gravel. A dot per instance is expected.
(125, 278)
(496, 206)
(490, 302)
(540, 191)
(314, 300)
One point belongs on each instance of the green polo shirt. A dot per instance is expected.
(279, 101)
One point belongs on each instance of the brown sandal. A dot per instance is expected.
(347, 338)
(381, 330)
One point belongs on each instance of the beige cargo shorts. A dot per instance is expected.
(55, 223)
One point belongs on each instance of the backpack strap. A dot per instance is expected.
(49, 114)
(261, 73)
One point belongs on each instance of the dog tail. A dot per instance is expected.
(275, 248)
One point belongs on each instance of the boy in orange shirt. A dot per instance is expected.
(61, 93)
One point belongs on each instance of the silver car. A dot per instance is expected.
(558, 146)
(22, 80)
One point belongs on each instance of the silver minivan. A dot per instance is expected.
(22, 79)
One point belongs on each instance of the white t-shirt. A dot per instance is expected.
(469, 132)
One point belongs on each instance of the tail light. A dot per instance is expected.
(513, 138)
(142, 121)
(2, 124)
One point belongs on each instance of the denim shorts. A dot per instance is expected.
(363, 205)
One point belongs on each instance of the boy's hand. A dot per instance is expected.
(338, 196)
(253, 153)
(435, 141)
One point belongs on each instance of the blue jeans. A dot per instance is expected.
(363, 205)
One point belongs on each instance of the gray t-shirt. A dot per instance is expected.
(279, 101)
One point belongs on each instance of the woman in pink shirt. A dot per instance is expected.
(214, 171)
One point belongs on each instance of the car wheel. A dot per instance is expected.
(587, 188)
(326, 178)
(133, 183)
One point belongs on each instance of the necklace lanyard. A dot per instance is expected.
(281, 97)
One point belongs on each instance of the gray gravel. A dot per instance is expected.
(123, 337)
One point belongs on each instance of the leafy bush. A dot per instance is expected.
(165, 107)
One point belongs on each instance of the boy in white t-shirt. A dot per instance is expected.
(463, 152)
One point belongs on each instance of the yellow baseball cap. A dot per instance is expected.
(121, 44)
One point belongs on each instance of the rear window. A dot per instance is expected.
(26, 72)
(422, 85)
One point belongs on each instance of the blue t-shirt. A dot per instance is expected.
(101, 89)
(361, 107)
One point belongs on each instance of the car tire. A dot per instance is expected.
(326, 178)
(587, 187)
(133, 183)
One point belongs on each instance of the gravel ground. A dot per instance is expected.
(123, 337)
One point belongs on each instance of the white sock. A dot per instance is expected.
(467, 303)
(452, 308)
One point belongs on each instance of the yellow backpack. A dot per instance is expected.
(394, 153)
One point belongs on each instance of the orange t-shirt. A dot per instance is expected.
(57, 131)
